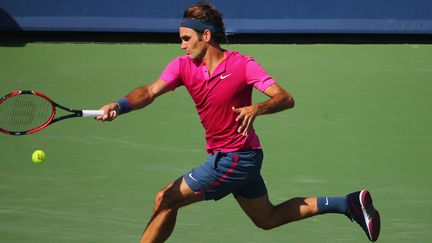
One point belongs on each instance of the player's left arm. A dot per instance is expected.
(279, 100)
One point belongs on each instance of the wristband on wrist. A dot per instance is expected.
(125, 105)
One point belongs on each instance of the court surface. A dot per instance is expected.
(362, 120)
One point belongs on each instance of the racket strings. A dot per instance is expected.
(24, 112)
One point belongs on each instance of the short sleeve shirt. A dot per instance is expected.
(230, 85)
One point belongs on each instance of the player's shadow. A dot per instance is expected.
(9, 31)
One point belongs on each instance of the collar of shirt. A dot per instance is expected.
(220, 69)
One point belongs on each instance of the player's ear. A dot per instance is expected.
(207, 35)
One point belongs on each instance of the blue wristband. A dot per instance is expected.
(125, 105)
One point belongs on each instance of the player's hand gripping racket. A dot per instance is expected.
(24, 112)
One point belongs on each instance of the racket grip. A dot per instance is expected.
(92, 113)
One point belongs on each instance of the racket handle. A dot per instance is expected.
(92, 113)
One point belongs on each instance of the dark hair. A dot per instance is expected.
(207, 13)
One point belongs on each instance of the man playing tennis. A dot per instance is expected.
(220, 83)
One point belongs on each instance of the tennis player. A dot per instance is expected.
(220, 83)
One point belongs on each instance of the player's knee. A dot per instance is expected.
(264, 225)
(266, 219)
(165, 199)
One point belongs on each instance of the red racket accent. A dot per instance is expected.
(24, 112)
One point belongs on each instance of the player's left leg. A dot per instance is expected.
(167, 203)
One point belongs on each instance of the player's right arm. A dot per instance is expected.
(137, 99)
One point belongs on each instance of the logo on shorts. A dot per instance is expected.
(190, 175)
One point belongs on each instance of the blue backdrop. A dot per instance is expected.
(244, 16)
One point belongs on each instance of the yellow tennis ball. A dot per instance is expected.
(38, 156)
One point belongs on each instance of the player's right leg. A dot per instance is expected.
(357, 206)
(267, 216)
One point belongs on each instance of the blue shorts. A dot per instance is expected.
(225, 173)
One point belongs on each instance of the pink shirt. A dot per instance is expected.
(230, 85)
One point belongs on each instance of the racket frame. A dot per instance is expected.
(51, 119)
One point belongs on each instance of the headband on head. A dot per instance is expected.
(198, 25)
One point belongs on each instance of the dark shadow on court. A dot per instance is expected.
(9, 31)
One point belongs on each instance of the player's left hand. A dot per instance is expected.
(246, 117)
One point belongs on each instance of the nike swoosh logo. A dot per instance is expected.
(326, 202)
(190, 175)
(226, 76)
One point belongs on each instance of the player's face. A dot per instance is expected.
(193, 43)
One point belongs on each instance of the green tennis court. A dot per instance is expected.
(362, 120)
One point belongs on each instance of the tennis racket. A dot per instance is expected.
(24, 112)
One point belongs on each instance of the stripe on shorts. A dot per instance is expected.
(224, 176)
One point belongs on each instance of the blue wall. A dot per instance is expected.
(246, 16)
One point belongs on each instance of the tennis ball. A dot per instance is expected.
(38, 156)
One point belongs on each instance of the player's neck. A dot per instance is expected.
(214, 56)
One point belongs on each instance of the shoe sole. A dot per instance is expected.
(374, 222)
